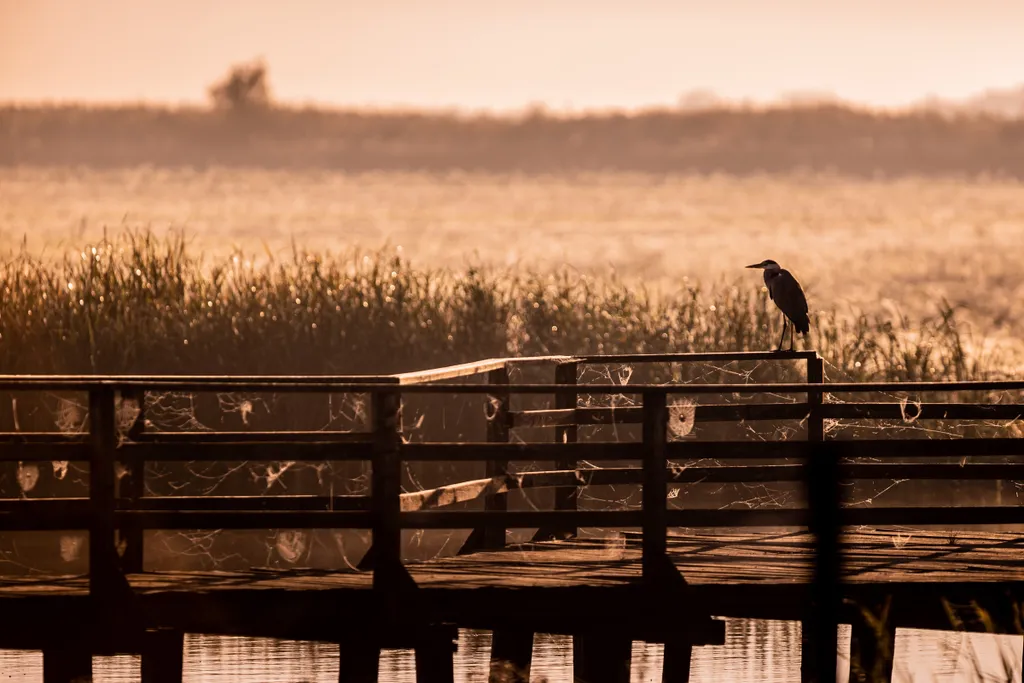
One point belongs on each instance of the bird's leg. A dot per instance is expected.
(792, 331)
(785, 323)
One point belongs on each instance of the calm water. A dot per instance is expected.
(761, 651)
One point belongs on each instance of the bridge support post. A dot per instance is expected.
(511, 656)
(67, 663)
(601, 658)
(434, 655)
(565, 498)
(359, 661)
(163, 656)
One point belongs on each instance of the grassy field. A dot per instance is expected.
(883, 249)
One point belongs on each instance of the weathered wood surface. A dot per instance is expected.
(470, 369)
(709, 558)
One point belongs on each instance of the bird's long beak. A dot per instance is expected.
(756, 265)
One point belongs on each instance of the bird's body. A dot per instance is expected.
(787, 294)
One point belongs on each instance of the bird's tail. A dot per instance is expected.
(802, 324)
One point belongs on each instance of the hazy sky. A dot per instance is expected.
(507, 53)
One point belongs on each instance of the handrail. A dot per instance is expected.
(480, 367)
(702, 356)
(20, 383)
(411, 377)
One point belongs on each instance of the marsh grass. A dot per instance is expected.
(137, 303)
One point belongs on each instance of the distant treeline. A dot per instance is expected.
(832, 138)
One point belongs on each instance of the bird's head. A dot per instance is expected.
(767, 264)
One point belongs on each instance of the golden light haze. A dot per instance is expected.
(503, 54)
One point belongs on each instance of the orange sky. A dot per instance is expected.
(507, 53)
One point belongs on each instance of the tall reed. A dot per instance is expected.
(141, 304)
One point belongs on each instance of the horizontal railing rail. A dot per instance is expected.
(198, 451)
(13, 383)
(772, 411)
(467, 491)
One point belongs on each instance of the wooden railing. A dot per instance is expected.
(113, 510)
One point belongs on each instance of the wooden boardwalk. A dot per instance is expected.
(667, 575)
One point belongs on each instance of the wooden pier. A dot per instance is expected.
(657, 570)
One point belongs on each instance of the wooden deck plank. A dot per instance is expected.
(704, 558)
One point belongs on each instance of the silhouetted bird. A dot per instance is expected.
(785, 291)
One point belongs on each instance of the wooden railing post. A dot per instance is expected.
(386, 481)
(565, 498)
(655, 487)
(497, 432)
(132, 488)
(815, 419)
(820, 628)
(103, 560)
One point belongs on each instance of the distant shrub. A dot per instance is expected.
(244, 88)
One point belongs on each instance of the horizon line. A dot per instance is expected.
(702, 100)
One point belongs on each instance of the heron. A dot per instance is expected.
(785, 291)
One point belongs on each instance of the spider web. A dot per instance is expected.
(183, 412)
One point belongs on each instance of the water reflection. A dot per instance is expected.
(755, 651)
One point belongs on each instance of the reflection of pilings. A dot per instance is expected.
(677, 661)
(434, 652)
(511, 656)
(67, 661)
(163, 655)
(601, 657)
(359, 660)
(872, 642)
